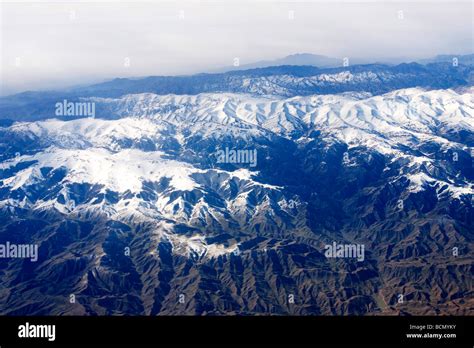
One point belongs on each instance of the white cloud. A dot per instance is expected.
(59, 44)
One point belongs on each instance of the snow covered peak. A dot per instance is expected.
(402, 114)
(154, 157)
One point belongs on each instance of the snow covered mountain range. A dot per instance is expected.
(376, 155)
(274, 81)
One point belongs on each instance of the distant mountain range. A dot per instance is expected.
(467, 59)
(294, 59)
(277, 81)
(321, 61)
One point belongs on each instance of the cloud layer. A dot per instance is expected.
(50, 45)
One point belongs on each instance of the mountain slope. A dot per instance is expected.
(391, 172)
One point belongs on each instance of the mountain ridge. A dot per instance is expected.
(282, 81)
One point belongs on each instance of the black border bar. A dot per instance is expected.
(224, 330)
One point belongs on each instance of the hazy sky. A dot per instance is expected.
(54, 44)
